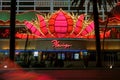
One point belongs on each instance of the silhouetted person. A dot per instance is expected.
(59, 63)
(86, 60)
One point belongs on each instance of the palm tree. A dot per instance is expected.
(12, 29)
(96, 22)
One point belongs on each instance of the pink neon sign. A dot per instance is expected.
(57, 44)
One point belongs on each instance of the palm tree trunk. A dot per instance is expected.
(97, 34)
(12, 29)
(25, 52)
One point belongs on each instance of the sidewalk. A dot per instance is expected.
(60, 74)
(65, 68)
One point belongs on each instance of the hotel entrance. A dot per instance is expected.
(64, 54)
(61, 58)
(50, 58)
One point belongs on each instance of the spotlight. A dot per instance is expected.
(5, 66)
(111, 66)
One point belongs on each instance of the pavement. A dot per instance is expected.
(60, 74)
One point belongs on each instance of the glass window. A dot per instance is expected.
(63, 56)
(59, 55)
(76, 56)
(36, 53)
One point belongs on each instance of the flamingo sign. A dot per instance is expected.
(57, 44)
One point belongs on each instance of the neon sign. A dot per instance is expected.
(57, 44)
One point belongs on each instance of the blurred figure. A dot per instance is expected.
(14, 72)
(85, 59)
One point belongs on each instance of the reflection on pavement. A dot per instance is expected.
(19, 74)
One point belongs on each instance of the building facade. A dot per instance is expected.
(47, 6)
(70, 48)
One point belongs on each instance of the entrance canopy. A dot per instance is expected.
(73, 51)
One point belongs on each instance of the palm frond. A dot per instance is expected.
(81, 3)
(99, 2)
(115, 12)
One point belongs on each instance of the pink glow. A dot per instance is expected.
(17, 35)
(42, 24)
(107, 34)
(84, 33)
(37, 33)
(62, 30)
(52, 29)
(28, 24)
(15, 72)
(92, 25)
(79, 23)
(61, 17)
(51, 22)
(41, 21)
(44, 30)
(32, 28)
(91, 36)
(61, 23)
(88, 29)
(77, 30)
(24, 36)
(60, 35)
(70, 21)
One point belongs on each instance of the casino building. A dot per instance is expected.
(45, 38)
